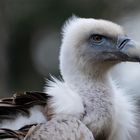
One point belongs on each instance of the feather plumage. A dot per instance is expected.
(15, 134)
(20, 104)
(60, 127)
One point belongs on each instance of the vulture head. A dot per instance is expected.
(89, 44)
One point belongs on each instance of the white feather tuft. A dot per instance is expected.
(64, 99)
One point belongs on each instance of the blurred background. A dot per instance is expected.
(30, 36)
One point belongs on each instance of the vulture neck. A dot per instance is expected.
(88, 79)
(94, 86)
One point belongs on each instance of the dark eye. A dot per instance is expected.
(97, 38)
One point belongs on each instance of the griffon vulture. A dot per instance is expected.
(90, 48)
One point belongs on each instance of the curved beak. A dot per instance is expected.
(129, 49)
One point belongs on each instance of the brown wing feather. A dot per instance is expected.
(7, 133)
(20, 104)
(15, 134)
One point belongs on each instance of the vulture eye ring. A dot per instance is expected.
(97, 38)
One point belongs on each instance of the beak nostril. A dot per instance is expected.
(122, 44)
